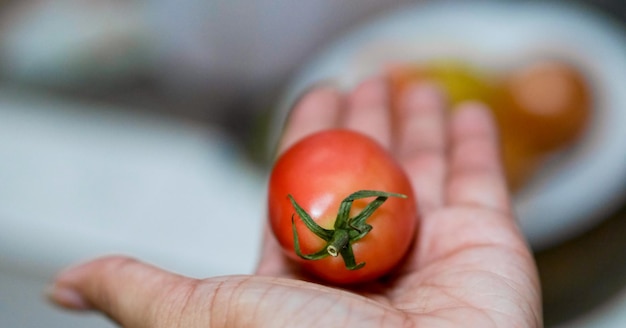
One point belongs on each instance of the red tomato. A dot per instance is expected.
(317, 174)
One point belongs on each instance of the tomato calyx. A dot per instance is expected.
(347, 230)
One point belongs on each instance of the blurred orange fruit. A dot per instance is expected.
(547, 104)
(539, 108)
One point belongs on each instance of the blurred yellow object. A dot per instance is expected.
(461, 81)
(539, 108)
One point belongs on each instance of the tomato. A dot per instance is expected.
(313, 179)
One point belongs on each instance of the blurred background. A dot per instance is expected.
(145, 127)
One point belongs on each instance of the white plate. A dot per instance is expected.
(571, 194)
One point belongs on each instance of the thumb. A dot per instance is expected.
(132, 293)
(137, 295)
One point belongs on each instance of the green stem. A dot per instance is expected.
(346, 230)
(340, 240)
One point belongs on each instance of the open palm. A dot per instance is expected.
(470, 266)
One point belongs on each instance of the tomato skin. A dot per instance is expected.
(319, 172)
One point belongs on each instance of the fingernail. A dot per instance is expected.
(423, 95)
(474, 116)
(67, 297)
(472, 110)
(425, 91)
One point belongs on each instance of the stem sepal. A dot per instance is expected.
(346, 231)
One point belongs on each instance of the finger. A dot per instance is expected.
(137, 295)
(421, 142)
(126, 290)
(318, 109)
(272, 261)
(368, 110)
(476, 176)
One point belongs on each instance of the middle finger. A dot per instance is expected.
(421, 143)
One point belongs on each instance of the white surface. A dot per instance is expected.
(572, 195)
(22, 306)
(78, 181)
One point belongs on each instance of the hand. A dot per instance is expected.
(470, 266)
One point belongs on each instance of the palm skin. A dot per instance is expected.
(469, 267)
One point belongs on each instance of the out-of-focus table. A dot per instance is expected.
(584, 279)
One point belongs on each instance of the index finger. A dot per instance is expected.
(319, 109)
